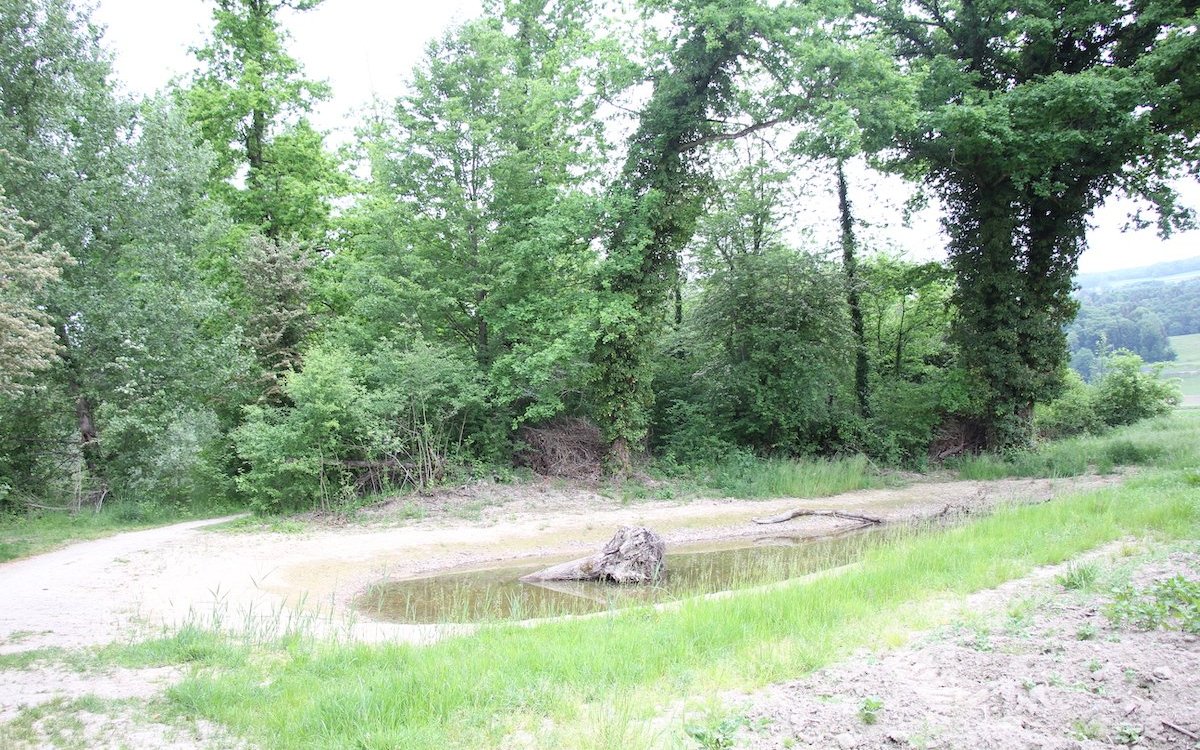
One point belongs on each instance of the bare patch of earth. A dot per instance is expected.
(48, 705)
(26, 688)
(1043, 668)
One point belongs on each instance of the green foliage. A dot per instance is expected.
(761, 357)
(1125, 394)
(476, 232)
(717, 734)
(869, 709)
(28, 341)
(400, 413)
(1072, 413)
(655, 205)
(249, 99)
(916, 382)
(1172, 603)
(1026, 122)
(771, 335)
(295, 453)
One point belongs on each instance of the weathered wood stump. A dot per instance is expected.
(634, 555)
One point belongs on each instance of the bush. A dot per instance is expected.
(356, 423)
(1124, 394)
(1072, 413)
(295, 454)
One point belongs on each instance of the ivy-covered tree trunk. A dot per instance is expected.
(850, 268)
(656, 206)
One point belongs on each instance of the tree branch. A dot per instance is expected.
(715, 137)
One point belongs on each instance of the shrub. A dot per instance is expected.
(400, 414)
(1072, 413)
(1125, 394)
(294, 454)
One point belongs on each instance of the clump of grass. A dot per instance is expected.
(777, 477)
(1079, 576)
(189, 645)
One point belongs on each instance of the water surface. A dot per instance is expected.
(497, 594)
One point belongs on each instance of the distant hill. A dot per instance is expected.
(1169, 272)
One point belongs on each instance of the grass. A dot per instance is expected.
(568, 682)
(25, 535)
(745, 476)
(1186, 366)
(1170, 442)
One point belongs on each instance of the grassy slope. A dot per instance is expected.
(1187, 365)
(598, 679)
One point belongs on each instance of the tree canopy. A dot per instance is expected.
(578, 220)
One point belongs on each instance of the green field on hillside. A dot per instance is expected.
(1186, 366)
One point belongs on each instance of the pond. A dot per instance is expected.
(495, 594)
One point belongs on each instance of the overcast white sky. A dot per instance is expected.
(366, 48)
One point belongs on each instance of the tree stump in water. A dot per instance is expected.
(633, 555)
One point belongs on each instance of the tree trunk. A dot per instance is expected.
(850, 266)
(635, 554)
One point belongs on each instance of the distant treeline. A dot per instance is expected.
(1138, 318)
(1092, 281)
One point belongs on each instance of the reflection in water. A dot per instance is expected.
(496, 594)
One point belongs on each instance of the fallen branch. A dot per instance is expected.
(868, 520)
(1181, 730)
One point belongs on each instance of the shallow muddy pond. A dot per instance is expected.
(497, 594)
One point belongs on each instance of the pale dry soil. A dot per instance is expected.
(139, 584)
(1033, 666)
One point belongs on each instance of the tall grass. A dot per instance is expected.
(470, 692)
(743, 475)
(1171, 442)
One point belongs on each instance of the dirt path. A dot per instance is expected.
(126, 585)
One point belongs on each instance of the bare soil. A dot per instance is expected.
(1043, 668)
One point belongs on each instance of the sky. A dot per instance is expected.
(365, 48)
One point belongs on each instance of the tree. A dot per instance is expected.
(66, 134)
(249, 99)
(28, 341)
(276, 319)
(655, 204)
(146, 356)
(476, 231)
(1029, 116)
